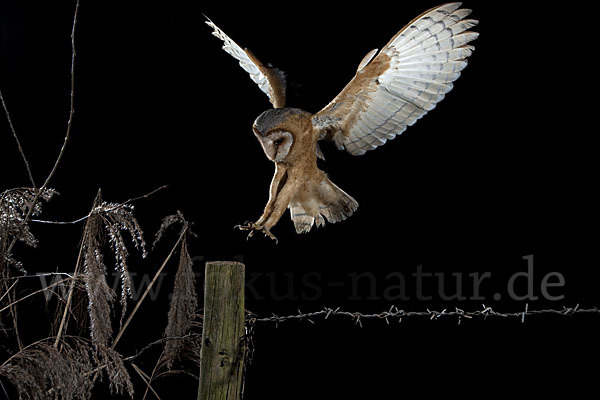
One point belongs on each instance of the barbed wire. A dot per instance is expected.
(394, 313)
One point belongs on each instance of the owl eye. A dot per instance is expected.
(278, 141)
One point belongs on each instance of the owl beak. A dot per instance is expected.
(269, 148)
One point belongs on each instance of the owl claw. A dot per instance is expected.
(248, 226)
(253, 227)
(269, 234)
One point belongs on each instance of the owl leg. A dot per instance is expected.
(281, 203)
(277, 185)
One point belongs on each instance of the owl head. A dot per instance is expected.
(277, 130)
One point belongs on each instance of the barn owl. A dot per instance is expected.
(392, 89)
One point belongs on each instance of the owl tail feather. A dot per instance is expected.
(319, 201)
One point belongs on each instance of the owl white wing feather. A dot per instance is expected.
(408, 77)
(270, 80)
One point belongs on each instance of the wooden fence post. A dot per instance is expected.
(223, 353)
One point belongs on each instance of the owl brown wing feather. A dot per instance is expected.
(270, 80)
(399, 85)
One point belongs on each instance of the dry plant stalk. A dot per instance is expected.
(105, 220)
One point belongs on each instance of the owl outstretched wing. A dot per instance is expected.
(270, 80)
(394, 88)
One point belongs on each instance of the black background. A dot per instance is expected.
(503, 168)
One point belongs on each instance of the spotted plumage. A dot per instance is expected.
(392, 89)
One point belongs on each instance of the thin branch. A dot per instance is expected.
(146, 348)
(152, 375)
(7, 291)
(72, 104)
(34, 293)
(12, 278)
(4, 390)
(148, 288)
(70, 294)
(144, 196)
(146, 379)
(14, 132)
(78, 220)
(164, 340)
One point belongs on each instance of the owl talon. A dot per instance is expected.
(270, 235)
(253, 227)
(248, 226)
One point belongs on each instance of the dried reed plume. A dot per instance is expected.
(182, 310)
(184, 301)
(41, 370)
(15, 206)
(107, 220)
